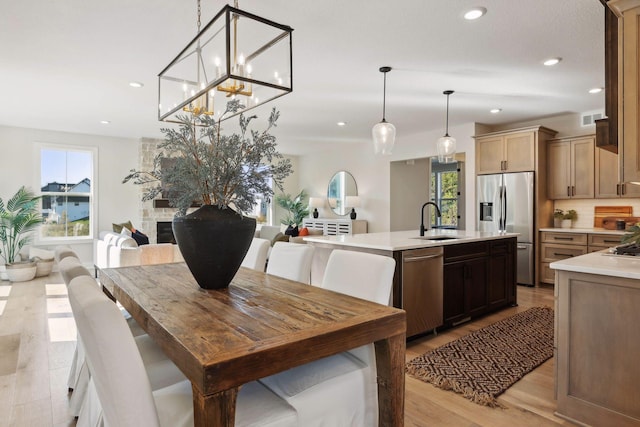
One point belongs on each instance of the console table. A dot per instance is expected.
(333, 227)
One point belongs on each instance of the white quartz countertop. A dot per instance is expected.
(584, 230)
(402, 240)
(601, 263)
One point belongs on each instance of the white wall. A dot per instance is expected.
(372, 173)
(116, 202)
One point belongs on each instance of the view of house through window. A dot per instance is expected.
(444, 188)
(66, 182)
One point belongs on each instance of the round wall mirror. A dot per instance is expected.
(341, 186)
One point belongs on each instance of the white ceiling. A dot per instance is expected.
(65, 65)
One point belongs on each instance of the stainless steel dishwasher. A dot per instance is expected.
(422, 289)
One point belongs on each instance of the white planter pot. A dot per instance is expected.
(3, 272)
(566, 223)
(557, 222)
(21, 271)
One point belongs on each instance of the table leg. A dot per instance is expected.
(215, 410)
(390, 360)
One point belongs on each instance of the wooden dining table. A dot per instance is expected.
(259, 325)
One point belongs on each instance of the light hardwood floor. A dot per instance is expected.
(37, 342)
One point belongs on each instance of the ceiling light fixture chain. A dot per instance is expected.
(384, 133)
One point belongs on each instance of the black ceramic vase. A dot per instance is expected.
(213, 242)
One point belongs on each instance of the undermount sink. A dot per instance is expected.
(436, 237)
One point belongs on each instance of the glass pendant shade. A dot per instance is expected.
(446, 149)
(384, 133)
(236, 55)
(384, 136)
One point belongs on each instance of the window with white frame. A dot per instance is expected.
(66, 186)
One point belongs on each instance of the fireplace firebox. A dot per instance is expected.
(164, 232)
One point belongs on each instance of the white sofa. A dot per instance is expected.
(117, 250)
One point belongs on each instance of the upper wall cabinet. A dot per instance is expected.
(571, 168)
(628, 12)
(511, 151)
(608, 185)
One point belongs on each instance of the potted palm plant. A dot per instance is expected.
(296, 206)
(224, 174)
(18, 218)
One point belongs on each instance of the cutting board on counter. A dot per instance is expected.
(611, 213)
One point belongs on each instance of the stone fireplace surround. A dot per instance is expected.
(149, 215)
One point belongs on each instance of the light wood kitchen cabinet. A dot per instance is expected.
(566, 244)
(510, 151)
(571, 168)
(598, 242)
(557, 246)
(628, 12)
(596, 357)
(607, 178)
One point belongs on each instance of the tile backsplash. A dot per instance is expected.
(585, 208)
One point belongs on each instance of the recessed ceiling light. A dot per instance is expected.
(495, 110)
(474, 13)
(551, 61)
(341, 123)
(596, 90)
(136, 84)
(105, 122)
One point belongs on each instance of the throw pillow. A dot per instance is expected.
(140, 238)
(304, 231)
(291, 231)
(125, 232)
(279, 238)
(117, 228)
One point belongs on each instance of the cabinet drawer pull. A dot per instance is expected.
(611, 241)
(563, 238)
(618, 190)
(568, 191)
(561, 254)
(420, 258)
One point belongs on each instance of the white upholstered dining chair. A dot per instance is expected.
(256, 257)
(341, 390)
(120, 383)
(161, 370)
(291, 261)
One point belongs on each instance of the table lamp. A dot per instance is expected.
(315, 203)
(352, 202)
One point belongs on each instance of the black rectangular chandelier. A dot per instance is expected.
(236, 55)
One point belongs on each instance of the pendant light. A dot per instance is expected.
(237, 55)
(446, 144)
(384, 133)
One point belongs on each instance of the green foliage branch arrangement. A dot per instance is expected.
(297, 207)
(18, 217)
(215, 169)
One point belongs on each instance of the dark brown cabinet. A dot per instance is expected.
(479, 277)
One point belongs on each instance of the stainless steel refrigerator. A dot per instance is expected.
(505, 203)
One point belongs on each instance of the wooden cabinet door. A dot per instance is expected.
(559, 170)
(631, 95)
(454, 293)
(501, 286)
(476, 286)
(607, 182)
(489, 155)
(582, 168)
(520, 151)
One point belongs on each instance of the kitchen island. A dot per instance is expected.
(597, 339)
(442, 279)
